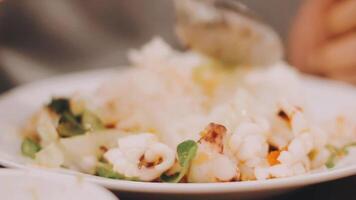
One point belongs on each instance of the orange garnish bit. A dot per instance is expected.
(272, 158)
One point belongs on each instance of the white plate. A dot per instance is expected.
(39, 185)
(325, 99)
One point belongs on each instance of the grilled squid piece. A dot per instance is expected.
(294, 117)
(247, 135)
(141, 157)
(295, 158)
(249, 146)
(211, 163)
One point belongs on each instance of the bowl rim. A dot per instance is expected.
(57, 179)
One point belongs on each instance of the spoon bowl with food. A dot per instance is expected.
(228, 31)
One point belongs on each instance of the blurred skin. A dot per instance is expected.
(323, 39)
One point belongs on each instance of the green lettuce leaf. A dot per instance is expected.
(186, 153)
(105, 170)
(30, 147)
(91, 122)
(336, 153)
(69, 125)
(59, 105)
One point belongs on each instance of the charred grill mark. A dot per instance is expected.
(214, 135)
(110, 126)
(289, 117)
(145, 164)
(300, 109)
(283, 115)
(272, 148)
(234, 179)
(104, 149)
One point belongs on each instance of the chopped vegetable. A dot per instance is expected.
(346, 147)
(105, 170)
(59, 105)
(330, 163)
(77, 106)
(186, 153)
(51, 156)
(30, 147)
(91, 122)
(336, 153)
(312, 154)
(272, 157)
(90, 144)
(69, 125)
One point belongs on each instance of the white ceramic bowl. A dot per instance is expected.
(40, 185)
(325, 99)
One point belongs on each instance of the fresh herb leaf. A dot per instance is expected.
(330, 163)
(346, 147)
(186, 153)
(332, 149)
(175, 178)
(30, 147)
(69, 125)
(91, 122)
(336, 153)
(105, 170)
(60, 105)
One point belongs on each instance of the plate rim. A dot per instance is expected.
(199, 188)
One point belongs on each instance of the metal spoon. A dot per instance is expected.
(227, 31)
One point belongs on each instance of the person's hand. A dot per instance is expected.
(323, 39)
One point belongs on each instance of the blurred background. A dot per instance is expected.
(41, 38)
